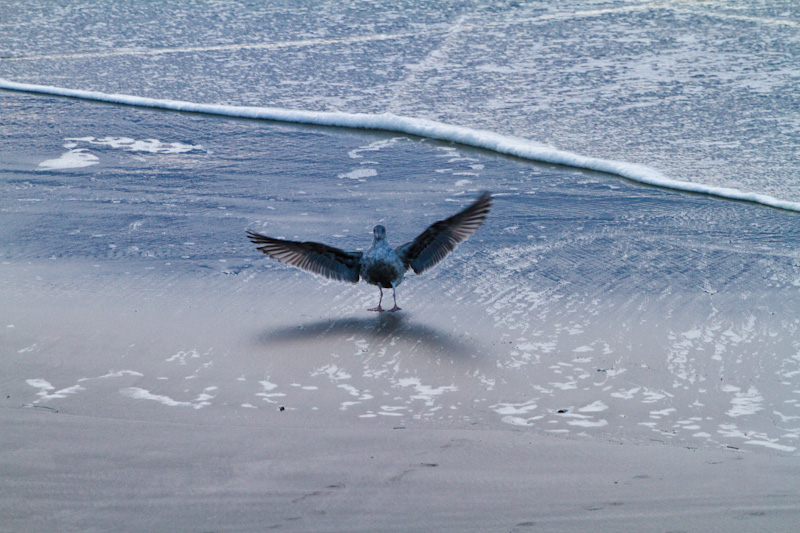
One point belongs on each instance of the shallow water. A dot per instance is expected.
(586, 306)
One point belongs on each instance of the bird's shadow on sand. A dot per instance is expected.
(396, 329)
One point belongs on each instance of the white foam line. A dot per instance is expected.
(696, 7)
(322, 42)
(504, 144)
(680, 6)
(215, 48)
(567, 15)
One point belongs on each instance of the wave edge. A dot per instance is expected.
(485, 139)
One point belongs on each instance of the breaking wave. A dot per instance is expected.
(503, 144)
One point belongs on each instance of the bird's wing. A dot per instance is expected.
(312, 256)
(441, 238)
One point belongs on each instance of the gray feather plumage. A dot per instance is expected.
(380, 265)
(314, 257)
(441, 238)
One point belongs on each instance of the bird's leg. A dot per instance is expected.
(379, 308)
(394, 295)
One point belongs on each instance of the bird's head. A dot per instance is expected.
(379, 232)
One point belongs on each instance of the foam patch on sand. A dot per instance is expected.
(77, 158)
(152, 146)
(45, 388)
(202, 400)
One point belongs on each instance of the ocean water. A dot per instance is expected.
(591, 305)
(702, 92)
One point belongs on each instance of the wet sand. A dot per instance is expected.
(600, 355)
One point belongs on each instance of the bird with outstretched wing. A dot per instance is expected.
(381, 264)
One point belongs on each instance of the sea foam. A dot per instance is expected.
(489, 140)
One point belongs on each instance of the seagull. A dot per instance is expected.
(381, 264)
